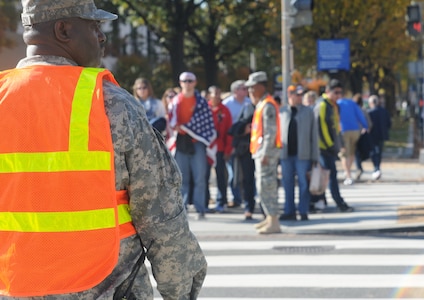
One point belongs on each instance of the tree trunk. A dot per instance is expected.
(356, 83)
(211, 67)
(176, 53)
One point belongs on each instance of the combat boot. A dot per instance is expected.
(272, 225)
(261, 224)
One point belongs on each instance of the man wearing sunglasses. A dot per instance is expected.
(327, 116)
(192, 119)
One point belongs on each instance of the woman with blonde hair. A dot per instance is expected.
(167, 97)
(155, 110)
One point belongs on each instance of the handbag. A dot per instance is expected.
(319, 180)
(364, 146)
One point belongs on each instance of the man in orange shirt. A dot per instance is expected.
(192, 119)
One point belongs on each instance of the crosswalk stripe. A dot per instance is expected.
(315, 260)
(214, 298)
(338, 244)
(315, 281)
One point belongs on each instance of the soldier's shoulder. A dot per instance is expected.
(117, 99)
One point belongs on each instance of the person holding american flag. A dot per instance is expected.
(194, 140)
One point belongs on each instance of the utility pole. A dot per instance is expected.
(285, 48)
(294, 13)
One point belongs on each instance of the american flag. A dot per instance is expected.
(200, 127)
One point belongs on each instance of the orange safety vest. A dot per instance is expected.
(61, 219)
(256, 136)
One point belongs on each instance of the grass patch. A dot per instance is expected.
(398, 133)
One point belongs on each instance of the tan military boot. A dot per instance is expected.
(272, 226)
(261, 224)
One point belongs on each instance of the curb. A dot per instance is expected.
(365, 231)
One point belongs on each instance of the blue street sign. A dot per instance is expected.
(333, 54)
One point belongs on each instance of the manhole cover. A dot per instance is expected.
(304, 249)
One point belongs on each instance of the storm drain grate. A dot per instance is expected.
(304, 249)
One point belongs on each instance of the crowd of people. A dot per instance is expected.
(245, 136)
(98, 179)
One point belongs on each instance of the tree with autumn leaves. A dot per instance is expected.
(215, 38)
(221, 35)
(379, 47)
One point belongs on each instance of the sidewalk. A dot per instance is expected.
(393, 170)
(404, 212)
(372, 215)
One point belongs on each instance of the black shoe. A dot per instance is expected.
(345, 208)
(233, 205)
(286, 217)
(304, 217)
(248, 216)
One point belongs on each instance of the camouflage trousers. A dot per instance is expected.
(267, 185)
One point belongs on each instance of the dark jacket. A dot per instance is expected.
(381, 124)
(241, 141)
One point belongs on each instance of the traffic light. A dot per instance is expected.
(303, 5)
(413, 18)
(301, 12)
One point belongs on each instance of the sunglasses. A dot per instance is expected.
(170, 96)
(187, 81)
(142, 88)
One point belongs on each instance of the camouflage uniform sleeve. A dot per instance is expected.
(145, 168)
(269, 123)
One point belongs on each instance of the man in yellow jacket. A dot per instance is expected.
(84, 175)
(329, 141)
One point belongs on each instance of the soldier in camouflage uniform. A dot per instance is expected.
(265, 147)
(143, 165)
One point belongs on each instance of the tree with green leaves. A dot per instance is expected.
(203, 33)
(221, 30)
(167, 20)
(216, 37)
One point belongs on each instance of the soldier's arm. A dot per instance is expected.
(269, 124)
(147, 170)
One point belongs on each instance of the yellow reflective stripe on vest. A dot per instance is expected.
(80, 113)
(78, 158)
(124, 214)
(63, 221)
(54, 161)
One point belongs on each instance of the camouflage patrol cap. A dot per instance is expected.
(38, 11)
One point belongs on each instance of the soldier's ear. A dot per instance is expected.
(62, 30)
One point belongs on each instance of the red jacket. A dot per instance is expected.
(222, 120)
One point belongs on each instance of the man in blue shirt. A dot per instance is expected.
(352, 119)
